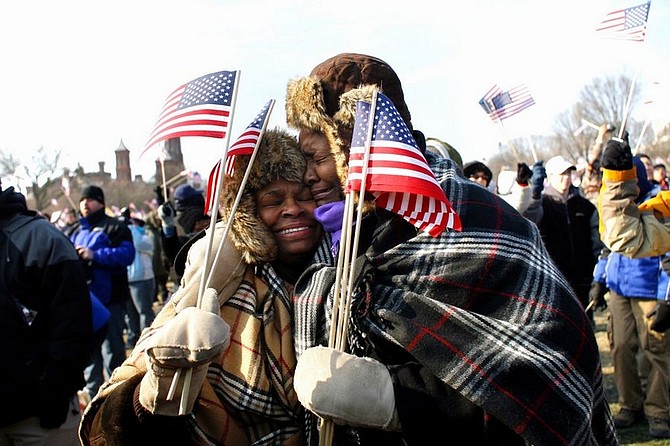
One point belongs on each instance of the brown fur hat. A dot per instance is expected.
(278, 157)
(321, 102)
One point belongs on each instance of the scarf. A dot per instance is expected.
(330, 216)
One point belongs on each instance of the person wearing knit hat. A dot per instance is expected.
(94, 193)
(244, 396)
(478, 172)
(435, 322)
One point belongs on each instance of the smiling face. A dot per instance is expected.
(321, 173)
(287, 209)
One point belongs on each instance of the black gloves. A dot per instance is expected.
(523, 174)
(661, 315)
(537, 180)
(53, 411)
(617, 155)
(160, 199)
(597, 296)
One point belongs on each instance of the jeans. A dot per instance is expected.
(111, 353)
(140, 308)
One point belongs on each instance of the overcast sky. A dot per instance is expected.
(81, 76)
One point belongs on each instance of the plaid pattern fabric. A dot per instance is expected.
(248, 397)
(484, 309)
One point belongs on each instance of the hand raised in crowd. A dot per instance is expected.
(523, 174)
(166, 213)
(617, 155)
(537, 180)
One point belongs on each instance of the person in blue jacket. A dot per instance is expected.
(635, 287)
(104, 259)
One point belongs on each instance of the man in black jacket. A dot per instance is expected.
(46, 326)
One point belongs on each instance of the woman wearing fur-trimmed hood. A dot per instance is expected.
(472, 334)
(242, 362)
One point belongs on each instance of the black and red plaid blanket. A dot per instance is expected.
(485, 310)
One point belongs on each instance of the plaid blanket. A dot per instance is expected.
(485, 310)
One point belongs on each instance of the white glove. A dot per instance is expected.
(166, 213)
(190, 340)
(345, 388)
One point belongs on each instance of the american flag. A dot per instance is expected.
(499, 104)
(65, 185)
(201, 107)
(397, 174)
(626, 24)
(243, 145)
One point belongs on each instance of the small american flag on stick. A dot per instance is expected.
(245, 144)
(499, 104)
(398, 174)
(201, 107)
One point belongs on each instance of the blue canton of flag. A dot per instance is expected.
(499, 104)
(626, 24)
(245, 144)
(397, 173)
(201, 107)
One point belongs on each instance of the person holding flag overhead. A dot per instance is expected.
(459, 323)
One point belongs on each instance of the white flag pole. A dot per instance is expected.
(189, 372)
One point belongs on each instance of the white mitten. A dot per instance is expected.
(345, 388)
(190, 340)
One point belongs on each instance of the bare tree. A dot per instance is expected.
(602, 101)
(8, 163)
(37, 174)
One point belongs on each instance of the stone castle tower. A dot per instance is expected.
(123, 163)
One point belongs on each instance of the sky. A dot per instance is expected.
(81, 76)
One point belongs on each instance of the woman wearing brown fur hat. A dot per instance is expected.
(472, 334)
(238, 342)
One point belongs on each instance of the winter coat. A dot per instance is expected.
(45, 319)
(639, 278)
(142, 267)
(484, 338)
(569, 229)
(248, 397)
(632, 230)
(99, 278)
(115, 257)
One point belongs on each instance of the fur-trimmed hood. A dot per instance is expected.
(325, 101)
(278, 157)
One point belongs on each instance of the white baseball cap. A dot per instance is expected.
(557, 165)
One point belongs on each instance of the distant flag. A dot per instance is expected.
(625, 24)
(652, 92)
(244, 145)
(164, 153)
(499, 104)
(398, 174)
(201, 107)
(65, 185)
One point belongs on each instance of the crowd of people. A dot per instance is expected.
(484, 331)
